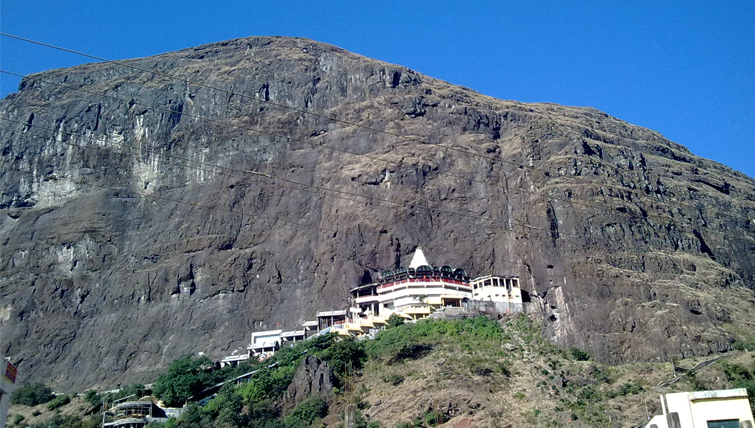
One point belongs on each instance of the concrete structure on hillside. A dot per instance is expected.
(7, 386)
(728, 408)
(133, 414)
(505, 292)
(234, 359)
(265, 343)
(412, 292)
(421, 289)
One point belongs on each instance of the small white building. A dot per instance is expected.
(234, 359)
(265, 343)
(729, 408)
(504, 289)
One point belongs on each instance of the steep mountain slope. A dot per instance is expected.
(145, 217)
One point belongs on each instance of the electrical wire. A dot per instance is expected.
(213, 169)
(644, 214)
(350, 123)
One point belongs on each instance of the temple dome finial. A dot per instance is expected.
(418, 259)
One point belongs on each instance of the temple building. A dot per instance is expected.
(416, 291)
(412, 292)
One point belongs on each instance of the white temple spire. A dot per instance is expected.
(418, 259)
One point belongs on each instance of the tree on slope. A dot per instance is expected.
(185, 377)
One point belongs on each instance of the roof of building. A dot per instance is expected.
(721, 393)
(418, 259)
(267, 333)
(331, 313)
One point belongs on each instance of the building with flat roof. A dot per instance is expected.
(133, 414)
(729, 408)
(416, 291)
(265, 343)
(412, 292)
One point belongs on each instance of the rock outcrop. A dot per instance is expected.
(313, 377)
(143, 217)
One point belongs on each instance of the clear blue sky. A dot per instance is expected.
(683, 68)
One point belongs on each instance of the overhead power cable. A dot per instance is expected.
(247, 128)
(215, 169)
(350, 123)
(303, 141)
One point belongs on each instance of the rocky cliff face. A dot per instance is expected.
(145, 217)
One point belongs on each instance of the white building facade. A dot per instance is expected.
(728, 408)
(417, 291)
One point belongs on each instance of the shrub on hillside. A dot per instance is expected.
(185, 377)
(394, 321)
(32, 394)
(579, 354)
(59, 401)
(93, 398)
(307, 412)
(741, 377)
(344, 355)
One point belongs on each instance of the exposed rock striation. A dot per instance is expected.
(145, 217)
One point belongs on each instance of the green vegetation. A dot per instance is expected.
(93, 398)
(68, 421)
(579, 354)
(394, 321)
(741, 377)
(185, 377)
(307, 413)
(59, 401)
(136, 390)
(520, 378)
(32, 394)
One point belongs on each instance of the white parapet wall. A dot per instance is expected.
(729, 407)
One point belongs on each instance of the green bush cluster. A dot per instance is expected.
(32, 394)
(412, 341)
(185, 377)
(256, 402)
(18, 419)
(57, 402)
(394, 379)
(579, 354)
(306, 413)
(628, 388)
(93, 398)
(741, 377)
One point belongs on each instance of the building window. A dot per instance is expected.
(725, 423)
